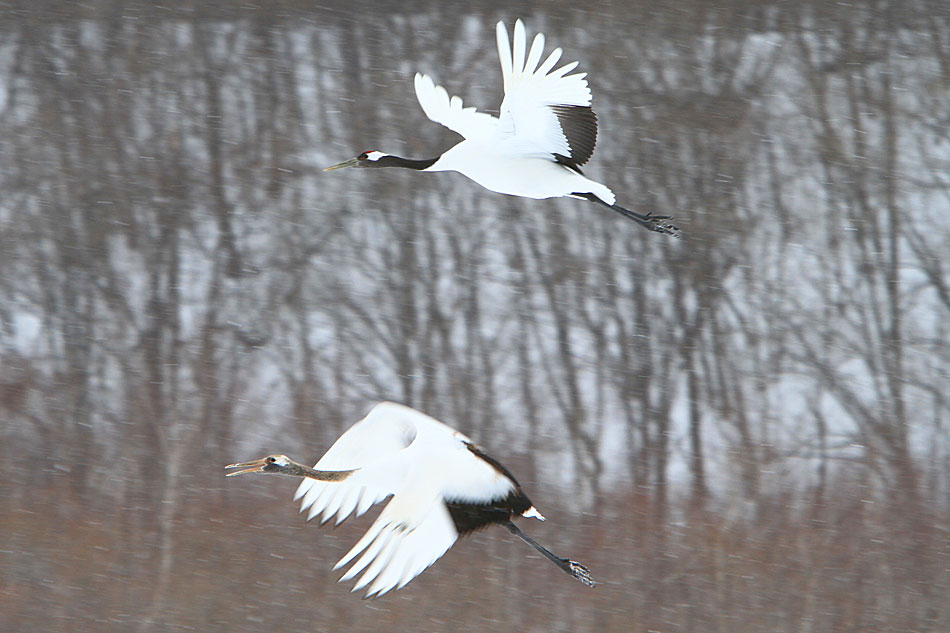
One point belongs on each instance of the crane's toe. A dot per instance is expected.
(577, 570)
(660, 224)
(581, 573)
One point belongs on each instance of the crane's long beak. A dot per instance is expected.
(347, 163)
(257, 466)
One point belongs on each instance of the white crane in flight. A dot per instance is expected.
(442, 486)
(545, 132)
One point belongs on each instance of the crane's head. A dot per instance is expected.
(278, 464)
(366, 159)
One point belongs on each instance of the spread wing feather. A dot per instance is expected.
(372, 445)
(450, 112)
(393, 553)
(545, 111)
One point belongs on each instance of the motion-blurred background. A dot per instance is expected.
(747, 429)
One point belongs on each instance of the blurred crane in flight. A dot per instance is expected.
(545, 132)
(442, 486)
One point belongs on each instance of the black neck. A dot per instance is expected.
(408, 163)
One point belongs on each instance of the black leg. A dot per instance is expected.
(569, 566)
(658, 223)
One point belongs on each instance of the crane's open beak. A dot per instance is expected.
(347, 163)
(257, 466)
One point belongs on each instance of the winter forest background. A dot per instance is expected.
(747, 429)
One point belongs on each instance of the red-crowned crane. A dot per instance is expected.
(442, 486)
(545, 132)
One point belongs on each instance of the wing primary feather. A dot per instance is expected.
(380, 564)
(371, 552)
(305, 486)
(549, 63)
(563, 70)
(534, 55)
(366, 502)
(315, 500)
(517, 63)
(313, 489)
(391, 575)
(334, 503)
(315, 493)
(409, 573)
(397, 569)
(349, 504)
(504, 52)
(362, 544)
(376, 557)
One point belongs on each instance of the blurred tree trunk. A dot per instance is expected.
(863, 163)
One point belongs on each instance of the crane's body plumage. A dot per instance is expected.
(545, 131)
(441, 486)
(531, 177)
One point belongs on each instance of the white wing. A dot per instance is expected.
(411, 533)
(372, 445)
(545, 112)
(421, 462)
(450, 112)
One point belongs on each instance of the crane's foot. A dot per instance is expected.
(660, 224)
(657, 223)
(577, 570)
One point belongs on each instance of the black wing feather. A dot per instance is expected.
(469, 517)
(579, 124)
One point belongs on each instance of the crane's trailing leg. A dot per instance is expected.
(658, 223)
(569, 566)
